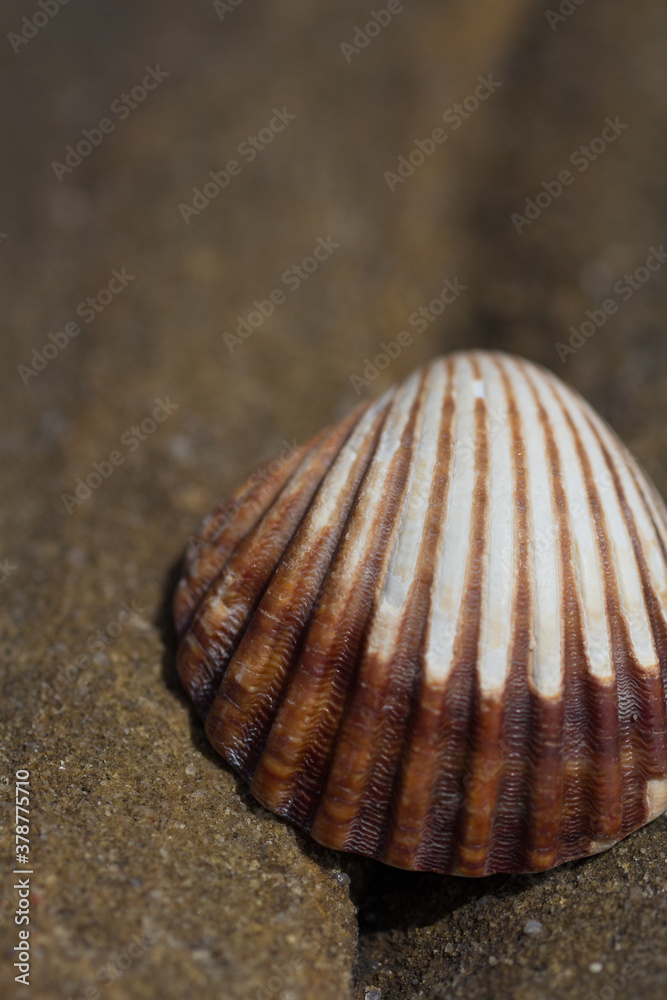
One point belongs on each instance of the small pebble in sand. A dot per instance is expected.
(532, 927)
(595, 967)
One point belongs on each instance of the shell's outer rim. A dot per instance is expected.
(656, 805)
(648, 800)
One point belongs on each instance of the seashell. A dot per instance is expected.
(437, 634)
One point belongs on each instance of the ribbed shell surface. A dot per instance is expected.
(437, 635)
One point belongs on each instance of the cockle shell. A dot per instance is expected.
(437, 634)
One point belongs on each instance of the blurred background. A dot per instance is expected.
(221, 225)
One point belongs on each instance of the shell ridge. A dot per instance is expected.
(659, 525)
(298, 802)
(591, 775)
(333, 806)
(317, 793)
(622, 561)
(639, 715)
(546, 661)
(652, 500)
(401, 662)
(461, 694)
(613, 715)
(240, 585)
(487, 786)
(228, 680)
(227, 527)
(411, 791)
(660, 508)
(206, 557)
(650, 732)
(474, 820)
(485, 782)
(508, 841)
(442, 624)
(627, 670)
(655, 613)
(360, 460)
(544, 786)
(393, 671)
(584, 804)
(451, 567)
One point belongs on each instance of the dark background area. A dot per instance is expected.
(155, 873)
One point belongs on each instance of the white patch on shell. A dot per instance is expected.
(619, 542)
(374, 485)
(648, 520)
(547, 666)
(450, 571)
(328, 500)
(397, 583)
(584, 538)
(497, 623)
(656, 797)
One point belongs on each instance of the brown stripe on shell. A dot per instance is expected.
(589, 805)
(222, 531)
(255, 682)
(333, 782)
(381, 824)
(612, 711)
(435, 729)
(421, 763)
(414, 777)
(661, 509)
(641, 708)
(661, 533)
(649, 732)
(663, 548)
(661, 536)
(224, 611)
(378, 713)
(509, 832)
(547, 715)
(448, 825)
